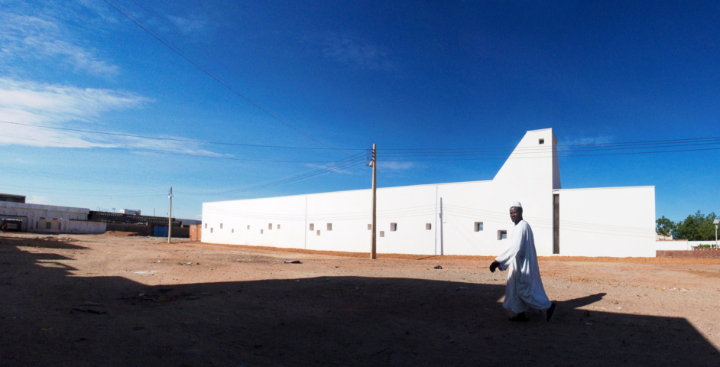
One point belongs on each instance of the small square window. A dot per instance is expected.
(329, 227)
(261, 231)
(502, 235)
(48, 225)
(369, 227)
(211, 230)
(248, 226)
(428, 226)
(318, 232)
(220, 225)
(311, 227)
(269, 225)
(393, 227)
(233, 230)
(478, 226)
(205, 225)
(382, 233)
(542, 141)
(278, 226)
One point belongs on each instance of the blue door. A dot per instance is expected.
(160, 231)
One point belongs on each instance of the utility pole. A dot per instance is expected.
(373, 249)
(170, 217)
(442, 220)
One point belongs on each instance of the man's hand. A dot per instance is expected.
(494, 266)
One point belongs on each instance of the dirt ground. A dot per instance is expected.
(108, 300)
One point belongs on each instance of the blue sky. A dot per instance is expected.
(319, 74)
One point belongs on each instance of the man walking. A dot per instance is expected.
(524, 287)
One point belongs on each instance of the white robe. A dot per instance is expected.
(524, 288)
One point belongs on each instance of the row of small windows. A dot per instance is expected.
(478, 227)
(232, 230)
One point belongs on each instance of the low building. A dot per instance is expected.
(464, 218)
(12, 198)
(47, 218)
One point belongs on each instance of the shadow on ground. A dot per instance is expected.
(335, 321)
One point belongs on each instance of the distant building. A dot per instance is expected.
(190, 222)
(12, 198)
(46, 218)
(110, 217)
(464, 218)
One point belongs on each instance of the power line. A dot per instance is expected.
(208, 72)
(345, 163)
(226, 67)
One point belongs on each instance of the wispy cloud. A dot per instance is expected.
(188, 26)
(33, 104)
(593, 140)
(24, 37)
(356, 52)
(38, 200)
(396, 165)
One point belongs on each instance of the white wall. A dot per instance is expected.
(530, 175)
(618, 222)
(33, 213)
(672, 245)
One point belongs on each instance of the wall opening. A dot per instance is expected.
(220, 225)
(205, 225)
(369, 227)
(556, 224)
(232, 230)
(269, 225)
(542, 141)
(248, 226)
(502, 234)
(278, 226)
(211, 230)
(428, 226)
(329, 226)
(478, 226)
(382, 233)
(261, 231)
(393, 227)
(311, 226)
(318, 232)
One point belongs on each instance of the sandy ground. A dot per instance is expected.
(104, 300)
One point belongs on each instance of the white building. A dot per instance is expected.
(618, 221)
(49, 218)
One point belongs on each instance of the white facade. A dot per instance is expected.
(50, 218)
(592, 222)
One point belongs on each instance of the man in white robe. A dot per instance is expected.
(524, 287)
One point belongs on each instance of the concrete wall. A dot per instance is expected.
(701, 253)
(616, 222)
(195, 232)
(87, 227)
(56, 225)
(595, 222)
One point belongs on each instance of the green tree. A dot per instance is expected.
(697, 227)
(664, 226)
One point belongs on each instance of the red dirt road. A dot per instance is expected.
(104, 300)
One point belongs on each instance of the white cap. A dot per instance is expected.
(516, 203)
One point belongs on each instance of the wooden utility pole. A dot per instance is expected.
(170, 217)
(373, 253)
